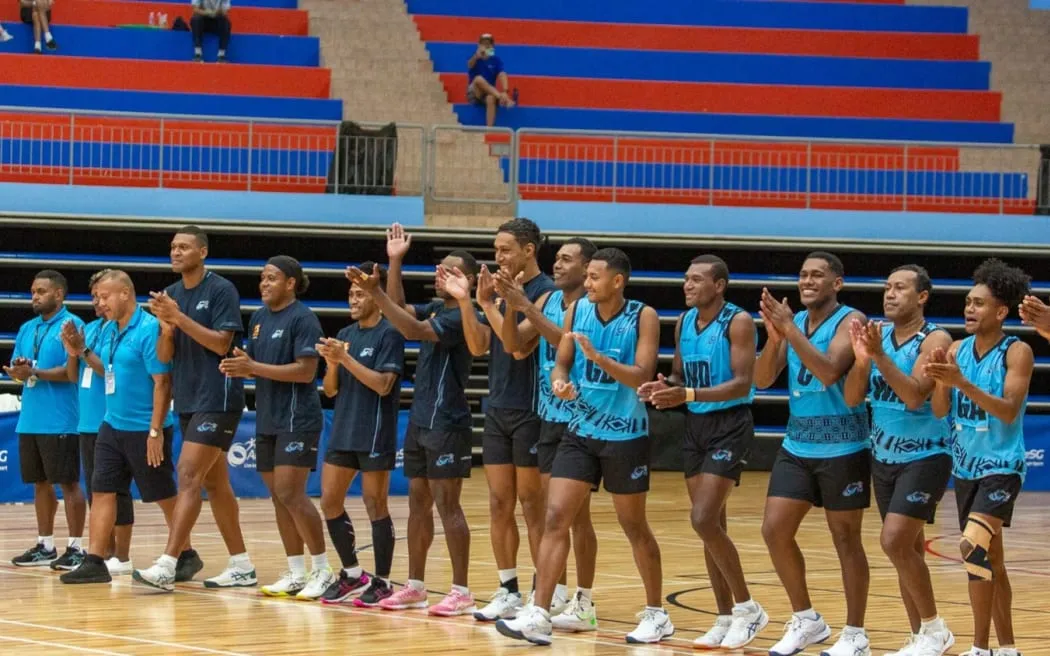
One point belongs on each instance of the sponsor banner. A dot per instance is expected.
(244, 478)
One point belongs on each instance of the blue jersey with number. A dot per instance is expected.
(706, 357)
(821, 424)
(605, 409)
(983, 445)
(551, 408)
(900, 435)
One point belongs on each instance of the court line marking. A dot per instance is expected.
(99, 634)
(45, 643)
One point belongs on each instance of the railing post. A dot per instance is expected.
(711, 174)
(1002, 181)
(160, 166)
(251, 143)
(809, 174)
(514, 164)
(72, 145)
(904, 179)
(615, 162)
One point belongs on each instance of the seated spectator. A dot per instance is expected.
(38, 14)
(4, 35)
(210, 16)
(484, 73)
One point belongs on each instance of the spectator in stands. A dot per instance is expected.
(4, 35)
(485, 73)
(38, 14)
(210, 16)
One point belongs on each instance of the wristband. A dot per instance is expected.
(690, 395)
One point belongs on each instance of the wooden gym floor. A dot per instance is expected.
(39, 615)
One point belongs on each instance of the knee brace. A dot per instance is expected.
(974, 543)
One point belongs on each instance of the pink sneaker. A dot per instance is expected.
(454, 603)
(404, 599)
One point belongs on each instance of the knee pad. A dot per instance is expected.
(974, 544)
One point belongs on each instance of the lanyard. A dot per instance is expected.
(93, 346)
(116, 343)
(38, 339)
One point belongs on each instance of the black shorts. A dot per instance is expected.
(49, 458)
(912, 489)
(26, 15)
(510, 437)
(287, 450)
(120, 457)
(363, 461)
(621, 466)
(718, 443)
(435, 454)
(125, 504)
(842, 483)
(993, 495)
(551, 433)
(215, 429)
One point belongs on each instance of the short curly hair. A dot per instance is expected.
(1008, 284)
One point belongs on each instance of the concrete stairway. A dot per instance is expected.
(382, 72)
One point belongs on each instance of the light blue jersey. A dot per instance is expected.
(605, 409)
(706, 357)
(92, 386)
(551, 408)
(983, 445)
(898, 434)
(821, 424)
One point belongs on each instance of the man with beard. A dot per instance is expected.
(48, 442)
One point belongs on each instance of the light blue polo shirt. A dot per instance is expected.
(93, 396)
(48, 408)
(131, 356)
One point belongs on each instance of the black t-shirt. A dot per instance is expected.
(442, 372)
(197, 383)
(512, 383)
(281, 338)
(365, 421)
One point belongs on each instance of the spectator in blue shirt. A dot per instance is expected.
(48, 444)
(211, 16)
(487, 81)
(134, 441)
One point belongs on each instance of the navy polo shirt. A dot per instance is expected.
(512, 383)
(197, 383)
(92, 395)
(48, 408)
(281, 338)
(442, 372)
(487, 68)
(365, 421)
(131, 355)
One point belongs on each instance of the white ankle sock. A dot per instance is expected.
(808, 614)
(76, 543)
(297, 565)
(585, 595)
(748, 606)
(48, 37)
(723, 620)
(847, 630)
(416, 584)
(353, 572)
(319, 561)
(508, 574)
(47, 540)
(461, 589)
(561, 591)
(168, 562)
(936, 624)
(241, 560)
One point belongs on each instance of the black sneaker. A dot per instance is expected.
(376, 592)
(92, 570)
(189, 564)
(38, 556)
(344, 587)
(221, 58)
(52, 45)
(70, 560)
(197, 57)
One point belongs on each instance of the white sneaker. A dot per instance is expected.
(908, 649)
(716, 634)
(854, 643)
(800, 633)
(503, 606)
(579, 615)
(1009, 651)
(655, 625)
(532, 624)
(935, 643)
(157, 576)
(317, 582)
(5, 35)
(558, 605)
(234, 576)
(117, 567)
(745, 626)
(288, 585)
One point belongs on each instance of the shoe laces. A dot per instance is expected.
(650, 615)
(794, 625)
(319, 574)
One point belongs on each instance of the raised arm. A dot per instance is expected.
(1008, 407)
(401, 316)
(855, 388)
(773, 358)
(828, 367)
(166, 342)
(941, 399)
(477, 336)
(566, 353)
(397, 244)
(914, 387)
